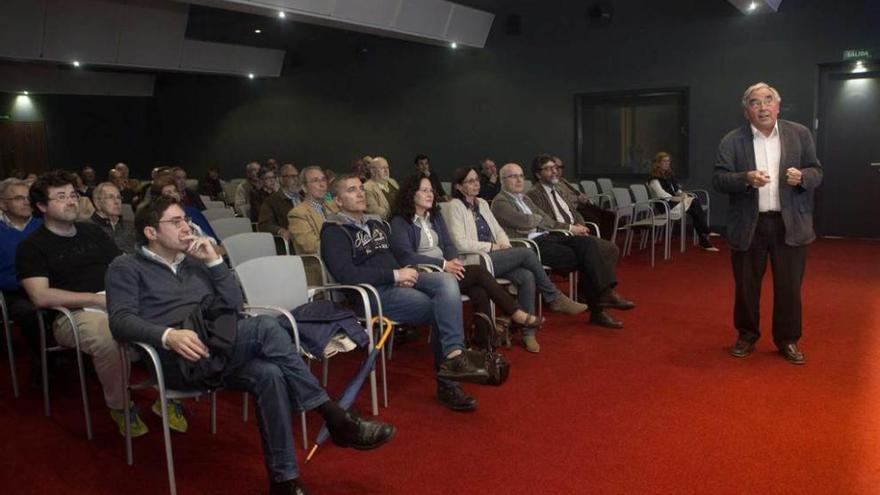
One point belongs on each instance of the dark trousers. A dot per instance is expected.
(698, 217)
(479, 285)
(603, 218)
(581, 253)
(787, 263)
(24, 314)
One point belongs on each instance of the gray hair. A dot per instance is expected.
(12, 181)
(311, 168)
(757, 86)
(98, 192)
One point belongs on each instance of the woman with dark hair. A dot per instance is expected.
(474, 229)
(211, 186)
(419, 236)
(662, 183)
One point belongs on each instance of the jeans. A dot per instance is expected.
(522, 267)
(435, 300)
(265, 363)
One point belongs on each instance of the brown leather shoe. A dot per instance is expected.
(793, 354)
(742, 348)
(612, 299)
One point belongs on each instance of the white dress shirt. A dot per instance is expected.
(558, 215)
(767, 154)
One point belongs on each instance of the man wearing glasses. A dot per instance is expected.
(521, 216)
(273, 212)
(62, 263)
(108, 216)
(16, 223)
(770, 171)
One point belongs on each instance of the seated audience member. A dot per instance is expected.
(273, 212)
(187, 196)
(89, 177)
(419, 236)
(268, 185)
(211, 185)
(423, 166)
(108, 216)
(151, 292)
(131, 184)
(474, 229)
(16, 223)
(662, 183)
(490, 184)
(356, 250)
(197, 222)
(381, 189)
(590, 212)
(158, 173)
(63, 263)
(271, 164)
(520, 216)
(129, 197)
(86, 207)
(243, 192)
(307, 218)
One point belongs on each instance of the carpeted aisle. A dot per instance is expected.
(658, 408)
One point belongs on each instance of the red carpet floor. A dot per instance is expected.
(658, 408)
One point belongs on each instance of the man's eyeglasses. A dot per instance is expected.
(548, 167)
(16, 198)
(289, 176)
(64, 197)
(514, 176)
(177, 222)
(316, 179)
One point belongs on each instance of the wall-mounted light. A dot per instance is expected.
(25, 93)
(76, 63)
(281, 14)
(453, 45)
(860, 67)
(250, 75)
(258, 31)
(753, 6)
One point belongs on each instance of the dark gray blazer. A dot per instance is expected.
(736, 157)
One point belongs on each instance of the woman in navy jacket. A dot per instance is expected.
(419, 236)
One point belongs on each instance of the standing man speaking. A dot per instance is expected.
(769, 171)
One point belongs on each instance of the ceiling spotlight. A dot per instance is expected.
(76, 63)
(453, 45)
(258, 31)
(753, 6)
(250, 75)
(281, 14)
(25, 93)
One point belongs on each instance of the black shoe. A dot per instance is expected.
(405, 334)
(361, 434)
(742, 348)
(454, 398)
(462, 369)
(793, 354)
(603, 319)
(289, 487)
(613, 300)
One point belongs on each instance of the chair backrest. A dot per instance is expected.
(527, 185)
(192, 184)
(213, 205)
(226, 227)
(447, 186)
(605, 185)
(622, 198)
(215, 213)
(274, 281)
(229, 191)
(640, 195)
(247, 246)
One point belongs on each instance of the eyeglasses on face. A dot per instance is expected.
(64, 197)
(177, 222)
(425, 191)
(514, 176)
(16, 198)
(470, 181)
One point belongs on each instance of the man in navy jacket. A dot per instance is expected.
(356, 249)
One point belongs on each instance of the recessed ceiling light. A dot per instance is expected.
(25, 93)
(76, 63)
(753, 6)
(281, 14)
(250, 75)
(453, 45)
(258, 31)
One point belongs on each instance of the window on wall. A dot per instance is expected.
(619, 133)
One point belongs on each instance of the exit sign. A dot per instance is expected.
(859, 53)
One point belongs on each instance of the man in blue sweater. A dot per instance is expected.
(152, 292)
(356, 249)
(16, 222)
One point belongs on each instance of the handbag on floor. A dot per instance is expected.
(494, 362)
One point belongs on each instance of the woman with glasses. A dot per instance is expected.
(662, 183)
(419, 236)
(474, 229)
